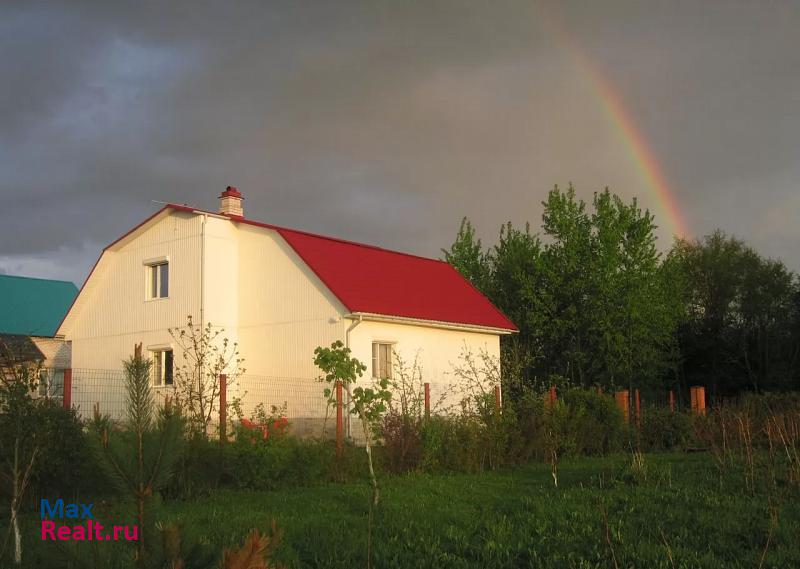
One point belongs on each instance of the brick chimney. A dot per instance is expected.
(230, 202)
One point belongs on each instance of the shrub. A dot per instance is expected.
(199, 469)
(278, 462)
(65, 465)
(597, 425)
(451, 444)
(663, 429)
(582, 422)
(402, 442)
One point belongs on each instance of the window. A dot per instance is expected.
(162, 367)
(381, 360)
(51, 382)
(158, 280)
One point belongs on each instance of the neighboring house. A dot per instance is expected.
(279, 293)
(30, 312)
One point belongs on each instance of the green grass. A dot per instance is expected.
(682, 515)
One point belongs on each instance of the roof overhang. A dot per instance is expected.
(372, 317)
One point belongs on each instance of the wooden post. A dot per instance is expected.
(497, 400)
(637, 408)
(427, 399)
(223, 408)
(553, 395)
(698, 394)
(671, 399)
(339, 420)
(622, 403)
(66, 396)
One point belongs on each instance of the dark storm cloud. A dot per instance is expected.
(386, 123)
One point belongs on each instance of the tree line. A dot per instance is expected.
(597, 304)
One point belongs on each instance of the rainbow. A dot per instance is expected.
(643, 156)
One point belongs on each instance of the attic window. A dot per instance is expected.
(157, 280)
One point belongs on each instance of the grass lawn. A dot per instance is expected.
(681, 515)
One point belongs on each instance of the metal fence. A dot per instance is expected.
(300, 400)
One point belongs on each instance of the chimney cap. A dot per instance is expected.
(232, 192)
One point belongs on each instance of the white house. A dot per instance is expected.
(279, 293)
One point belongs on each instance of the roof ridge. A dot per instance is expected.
(279, 228)
(37, 279)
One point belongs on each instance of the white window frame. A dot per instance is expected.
(153, 272)
(376, 358)
(159, 369)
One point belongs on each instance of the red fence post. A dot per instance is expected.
(497, 401)
(553, 395)
(427, 399)
(671, 399)
(339, 421)
(66, 396)
(622, 403)
(223, 408)
(698, 394)
(637, 408)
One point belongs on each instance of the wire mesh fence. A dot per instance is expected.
(300, 400)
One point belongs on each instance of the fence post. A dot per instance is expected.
(622, 403)
(339, 421)
(427, 399)
(671, 399)
(66, 396)
(223, 408)
(497, 401)
(553, 395)
(637, 408)
(698, 394)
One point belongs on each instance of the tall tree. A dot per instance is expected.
(467, 256)
(742, 314)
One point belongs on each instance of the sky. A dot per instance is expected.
(387, 122)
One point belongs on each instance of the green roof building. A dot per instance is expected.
(33, 307)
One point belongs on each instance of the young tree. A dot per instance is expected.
(368, 403)
(20, 431)
(206, 354)
(139, 460)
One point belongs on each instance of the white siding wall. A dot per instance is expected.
(116, 314)
(284, 314)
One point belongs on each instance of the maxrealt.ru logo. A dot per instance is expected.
(87, 529)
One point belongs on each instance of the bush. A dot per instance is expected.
(402, 442)
(199, 470)
(452, 444)
(597, 425)
(279, 462)
(582, 422)
(65, 465)
(663, 429)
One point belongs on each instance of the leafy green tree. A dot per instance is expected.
(742, 317)
(593, 300)
(467, 256)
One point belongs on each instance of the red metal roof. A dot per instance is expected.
(378, 281)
